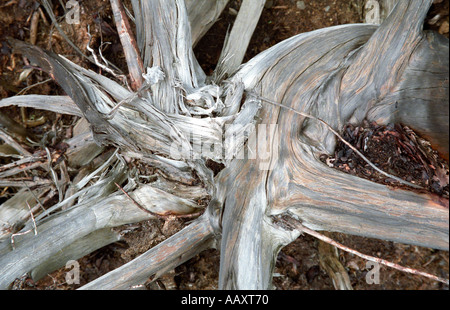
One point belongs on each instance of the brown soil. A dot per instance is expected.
(297, 266)
(394, 149)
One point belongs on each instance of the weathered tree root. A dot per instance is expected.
(177, 249)
(339, 75)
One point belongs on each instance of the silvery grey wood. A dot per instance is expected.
(82, 149)
(76, 250)
(76, 223)
(57, 104)
(339, 74)
(237, 40)
(14, 212)
(202, 15)
(179, 248)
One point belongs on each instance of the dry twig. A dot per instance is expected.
(27, 231)
(340, 138)
(295, 224)
(131, 51)
(34, 27)
(97, 62)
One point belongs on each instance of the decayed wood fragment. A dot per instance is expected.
(134, 61)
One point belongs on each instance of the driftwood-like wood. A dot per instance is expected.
(57, 104)
(76, 250)
(340, 74)
(202, 15)
(60, 69)
(170, 253)
(44, 249)
(131, 52)
(15, 212)
(389, 73)
(237, 41)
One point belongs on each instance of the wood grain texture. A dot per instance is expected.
(169, 48)
(202, 15)
(60, 69)
(237, 40)
(62, 231)
(170, 253)
(340, 74)
(131, 52)
(390, 73)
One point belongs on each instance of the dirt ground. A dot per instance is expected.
(297, 266)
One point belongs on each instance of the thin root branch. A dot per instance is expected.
(27, 231)
(98, 63)
(290, 222)
(342, 139)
